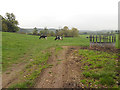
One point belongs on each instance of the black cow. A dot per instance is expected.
(43, 37)
(59, 38)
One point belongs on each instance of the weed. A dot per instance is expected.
(22, 85)
(99, 66)
(83, 81)
(95, 75)
(58, 63)
(45, 66)
(107, 81)
(59, 59)
(50, 65)
(58, 48)
(50, 72)
(8, 73)
(86, 74)
(28, 66)
(86, 67)
(34, 75)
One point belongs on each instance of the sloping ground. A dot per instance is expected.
(76, 67)
(58, 74)
(64, 71)
(17, 75)
(12, 74)
(69, 67)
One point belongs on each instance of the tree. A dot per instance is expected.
(4, 25)
(56, 32)
(65, 28)
(52, 33)
(41, 33)
(46, 31)
(75, 32)
(9, 23)
(67, 33)
(35, 31)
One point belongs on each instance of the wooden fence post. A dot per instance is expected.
(93, 38)
(100, 38)
(112, 38)
(107, 39)
(96, 38)
(90, 38)
(103, 39)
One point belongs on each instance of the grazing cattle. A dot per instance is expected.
(59, 38)
(43, 37)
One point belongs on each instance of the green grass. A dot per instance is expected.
(23, 48)
(100, 66)
(20, 47)
(21, 85)
(57, 49)
(17, 47)
(32, 71)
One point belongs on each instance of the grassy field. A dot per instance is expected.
(18, 46)
(98, 69)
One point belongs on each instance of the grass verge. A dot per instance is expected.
(98, 69)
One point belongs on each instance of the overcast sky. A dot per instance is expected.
(82, 14)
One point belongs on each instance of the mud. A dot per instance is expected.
(64, 70)
(12, 74)
(64, 73)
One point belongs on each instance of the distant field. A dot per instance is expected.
(15, 47)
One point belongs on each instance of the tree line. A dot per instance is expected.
(65, 31)
(9, 23)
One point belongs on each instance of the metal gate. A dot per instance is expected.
(103, 40)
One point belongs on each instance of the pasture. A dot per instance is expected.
(30, 55)
(18, 46)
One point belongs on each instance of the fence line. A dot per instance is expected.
(103, 38)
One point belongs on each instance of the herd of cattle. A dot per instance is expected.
(57, 37)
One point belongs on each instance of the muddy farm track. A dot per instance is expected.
(65, 70)
(64, 73)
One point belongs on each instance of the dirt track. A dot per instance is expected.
(12, 75)
(65, 71)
